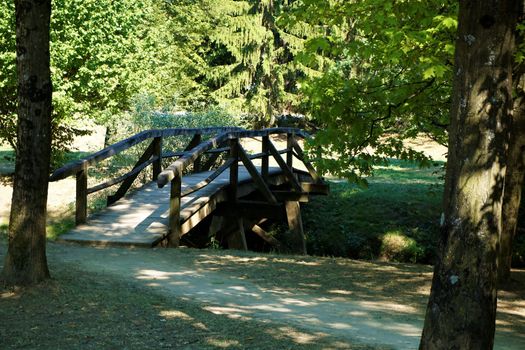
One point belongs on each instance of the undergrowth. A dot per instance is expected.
(396, 218)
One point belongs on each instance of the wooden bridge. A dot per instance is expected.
(215, 185)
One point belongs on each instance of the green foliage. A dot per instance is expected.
(355, 222)
(3, 230)
(8, 76)
(251, 58)
(146, 116)
(520, 52)
(387, 77)
(103, 53)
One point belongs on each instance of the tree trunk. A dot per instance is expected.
(25, 262)
(462, 306)
(515, 168)
(513, 182)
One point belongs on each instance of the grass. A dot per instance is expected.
(402, 201)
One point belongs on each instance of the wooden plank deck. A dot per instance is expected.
(141, 219)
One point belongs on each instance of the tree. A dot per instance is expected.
(386, 77)
(103, 55)
(8, 82)
(26, 262)
(251, 57)
(515, 166)
(462, 306)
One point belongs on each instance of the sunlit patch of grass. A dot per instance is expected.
(59, 227)
(395, 246)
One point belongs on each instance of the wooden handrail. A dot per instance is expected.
(191, 156)
(152, 156)
(74, 167)
(187, 158)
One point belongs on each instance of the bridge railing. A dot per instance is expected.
(153, 155)
(230, 142)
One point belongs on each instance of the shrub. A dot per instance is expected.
(395, 246)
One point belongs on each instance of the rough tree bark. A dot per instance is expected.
(25, 262)
(515, 169)
(462, 306)
(513, 182)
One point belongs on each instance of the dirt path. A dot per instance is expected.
(372, 303)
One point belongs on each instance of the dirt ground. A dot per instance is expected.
(271, 301)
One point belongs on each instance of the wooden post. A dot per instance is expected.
(308, 165)
(195, 141)
(157, 152)
(198, 161)
(81, 196)
(265, 159)
(217, 222)
(234, 169)
(237, 238)
(289, 145)
(256, 177)
(295, 224)
(174, 218)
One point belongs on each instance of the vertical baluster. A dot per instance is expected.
(234, 169)
(289, 146)
(265, 158)
(157, 152)
(198, 161)
(174, 218)
(81, 196)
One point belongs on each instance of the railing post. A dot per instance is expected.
(265, 158)
(81, 196)
(194, 142)
(157, 152)
(174, 218)
(198, 161)
(289, 145)
(234, 168)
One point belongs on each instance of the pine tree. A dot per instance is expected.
(251, 58)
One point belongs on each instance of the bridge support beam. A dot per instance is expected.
(295, 224)
(230, 229)
(237, 238)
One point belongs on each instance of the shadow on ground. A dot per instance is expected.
(219, 299)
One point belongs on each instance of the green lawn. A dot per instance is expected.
(396, 217)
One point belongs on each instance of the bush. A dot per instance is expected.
(395, 246)
(146, 115)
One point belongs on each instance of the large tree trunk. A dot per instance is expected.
(515, 168)
(25, 262)
(462, 306)
(513, 182)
